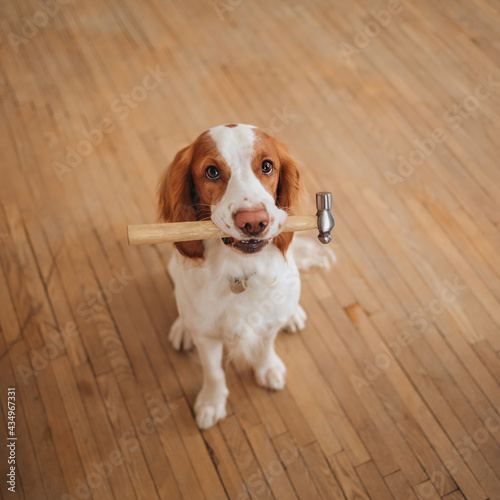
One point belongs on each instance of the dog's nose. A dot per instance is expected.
(252, 222)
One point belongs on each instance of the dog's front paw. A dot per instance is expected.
(210, 409)
(272, 377)
(297, 322)
(179, 337)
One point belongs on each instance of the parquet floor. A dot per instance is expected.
(393, 388)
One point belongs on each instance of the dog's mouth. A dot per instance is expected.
(245, 246)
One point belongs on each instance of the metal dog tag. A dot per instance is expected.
(238, 285)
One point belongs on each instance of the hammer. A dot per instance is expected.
(202, 230)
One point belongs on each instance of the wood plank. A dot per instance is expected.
(272, 467)
(28, 471)
(254, 483)
(113, 465)
(178, 458)
(427, 490)
(293, 417)
(321, 473)
(262, 402)
(369, 429)
(439, 440)
(451, 421)
(196, 449)
(455, 495)
(489, 358)
(399, 487)
(225, 464)
(128, 437)
(85, 441)
(8, 322)
(373, 481)
(347, 476)
(30, 400)
(311, 394)
(296, 468)
(146, 416)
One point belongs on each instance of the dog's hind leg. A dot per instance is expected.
(180, 338)
(297, 321)
(268, 367)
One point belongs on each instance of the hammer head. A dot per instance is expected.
(326, 220)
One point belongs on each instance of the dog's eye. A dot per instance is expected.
(212, 173)
(267, 167)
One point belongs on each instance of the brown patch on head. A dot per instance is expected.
(264, 148)
(231, 125)
(283, 183)
(186, 194)
(209, 191)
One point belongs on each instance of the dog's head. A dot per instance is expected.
(238, 176)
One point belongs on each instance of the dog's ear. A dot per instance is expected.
(287, 195)
(176, 193)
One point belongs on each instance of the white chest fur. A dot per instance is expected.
(209, 307)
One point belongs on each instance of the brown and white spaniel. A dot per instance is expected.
(241, 290)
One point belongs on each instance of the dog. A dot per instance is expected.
(238, 291)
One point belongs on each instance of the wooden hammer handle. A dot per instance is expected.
(144, 234)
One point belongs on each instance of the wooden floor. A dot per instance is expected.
(393, 389)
